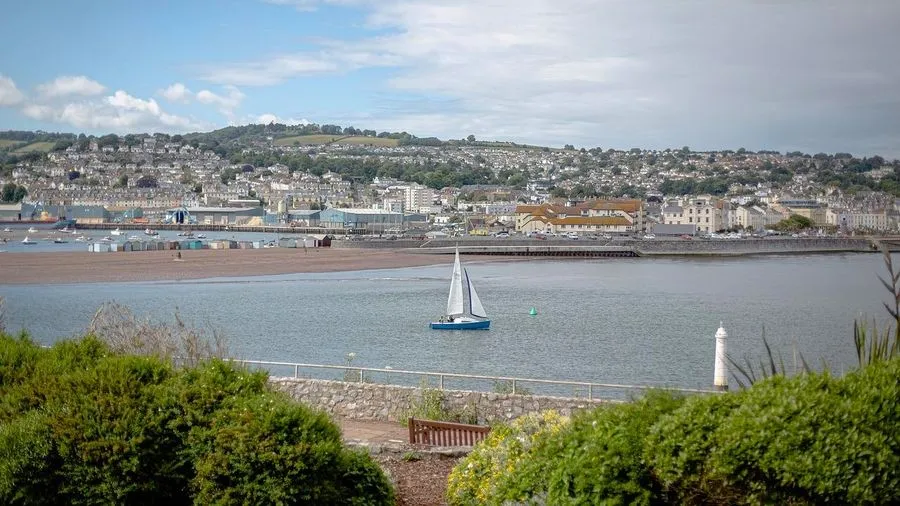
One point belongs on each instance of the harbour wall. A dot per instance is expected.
(371, 401)
(623, 248)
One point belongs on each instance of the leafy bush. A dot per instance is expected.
(80, 425)
(597, 458)
(600, 458)
(429, 405)
(265, 448)
(478, 479)
(812, 439)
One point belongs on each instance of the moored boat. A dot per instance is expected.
(464, 308)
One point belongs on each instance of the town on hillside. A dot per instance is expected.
(394, 183)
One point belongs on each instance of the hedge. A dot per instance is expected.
(80, 425)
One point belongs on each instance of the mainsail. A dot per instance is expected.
(474, 302)
(455, 300)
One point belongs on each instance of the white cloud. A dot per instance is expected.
(177, 92)
(9, 93)
(265, 119)
(119, 112)
(71, 85)
(627, 72)
(226, 103)
(310, 5)
(270, 71)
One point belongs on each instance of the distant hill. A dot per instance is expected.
(319, 139)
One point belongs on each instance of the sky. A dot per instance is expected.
(808, 75)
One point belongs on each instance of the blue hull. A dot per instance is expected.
(479, 325)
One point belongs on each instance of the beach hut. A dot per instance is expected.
(322, 240)
(289, 242)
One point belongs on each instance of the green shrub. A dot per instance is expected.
(601, 458)
(267, 450)
(812, 439)
(79, 425)
(27, 460)
(429, 405)
(597, 459)
(678, 447)
(479, 478)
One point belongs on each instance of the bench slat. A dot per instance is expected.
(437, 433)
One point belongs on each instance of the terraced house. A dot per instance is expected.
(596, 216)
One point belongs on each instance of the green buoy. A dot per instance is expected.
(533, 312)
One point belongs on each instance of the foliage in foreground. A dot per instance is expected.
(502, 452)
(81, 425)
(811, 439)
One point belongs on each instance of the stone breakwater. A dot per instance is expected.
(655, 247)
(371, 401)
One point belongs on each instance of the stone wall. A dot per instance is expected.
(662, 246)
(371, 401)
(751, 246)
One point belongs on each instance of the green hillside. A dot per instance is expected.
(6, 143)
(318, 139)
(35, 146)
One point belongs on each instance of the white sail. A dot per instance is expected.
(455, 300)
(474, 302)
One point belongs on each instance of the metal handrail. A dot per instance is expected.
(441, 375)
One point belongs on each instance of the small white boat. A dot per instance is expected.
(7, 229)
(464, 308)
(134, 238)
(59, 240)
(107, 239)
(82, 238)
(201, 236)
(150, 231)
(32, 230)
(26, 240)
(116, 232)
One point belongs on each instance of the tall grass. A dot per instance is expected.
(873, 346)
(125, 333)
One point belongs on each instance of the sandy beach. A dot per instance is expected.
(85, 267)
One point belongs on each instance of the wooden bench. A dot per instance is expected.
(434, 433)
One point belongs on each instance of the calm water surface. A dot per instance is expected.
(645, 321)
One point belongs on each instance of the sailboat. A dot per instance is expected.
(464, 309)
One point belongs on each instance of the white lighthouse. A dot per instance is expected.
(720, 374)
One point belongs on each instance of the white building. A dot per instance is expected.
(417, 197)
(707, 213)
